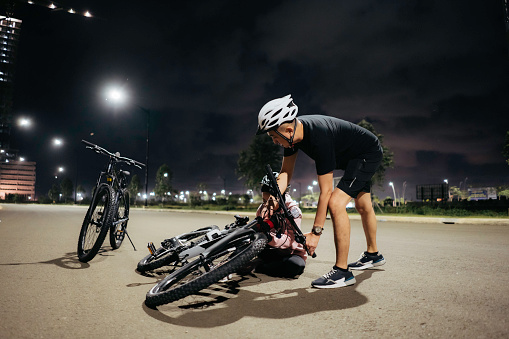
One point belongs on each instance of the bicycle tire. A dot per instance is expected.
(149, 263)
(96, 224)
(169, 289)
(118, 231)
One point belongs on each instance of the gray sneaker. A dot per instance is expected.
(367, 261)
(335, 278)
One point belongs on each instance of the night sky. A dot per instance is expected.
(431, 76)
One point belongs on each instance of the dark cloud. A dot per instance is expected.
(431, 76)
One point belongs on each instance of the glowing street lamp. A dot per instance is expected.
(393, 191)
(24, 122)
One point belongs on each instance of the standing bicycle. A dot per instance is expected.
(109, 208)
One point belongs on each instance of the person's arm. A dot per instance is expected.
(325, 182)
(286, 173)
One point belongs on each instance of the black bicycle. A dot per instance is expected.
(212, 255)
(109, 208)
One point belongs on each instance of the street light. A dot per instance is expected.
(118, 96)
(404, 188)
(393, 191)
(57, 142)
(24, 122)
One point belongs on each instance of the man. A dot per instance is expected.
(333, 144)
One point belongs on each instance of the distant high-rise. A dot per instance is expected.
(9, 37)
(17, 178)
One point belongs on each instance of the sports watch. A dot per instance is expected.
(317, 230)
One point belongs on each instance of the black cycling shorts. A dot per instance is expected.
(358, 175)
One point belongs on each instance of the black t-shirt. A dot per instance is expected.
(332, 142)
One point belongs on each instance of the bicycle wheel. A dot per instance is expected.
(119, 224)
(200, 274)
(167, 254)
(96, 223)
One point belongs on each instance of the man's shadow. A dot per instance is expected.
(68, 261)
(226, 303)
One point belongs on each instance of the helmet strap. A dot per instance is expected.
(289, 140)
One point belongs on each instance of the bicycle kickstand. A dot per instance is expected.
(129, 239)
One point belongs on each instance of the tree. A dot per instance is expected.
(54, 192)
(163, 181)
(388, 158)
(252, 161)
(134, 187)
(505, 150)
(66, 187)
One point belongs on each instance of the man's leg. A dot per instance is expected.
(370, 258)
(341, 225)
(340, 274)
(365, 208)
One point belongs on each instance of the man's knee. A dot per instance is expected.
(363, 209)
(338, 202)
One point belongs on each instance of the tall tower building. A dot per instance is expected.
(9, 37)
(17, 177)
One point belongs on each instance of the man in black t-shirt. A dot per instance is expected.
(333, 144)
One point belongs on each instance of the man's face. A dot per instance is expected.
(276, 138)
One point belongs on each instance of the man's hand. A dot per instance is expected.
(311, 242)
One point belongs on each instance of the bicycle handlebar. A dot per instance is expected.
(118, 158)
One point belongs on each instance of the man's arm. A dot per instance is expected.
(325, 182)
(286, 173)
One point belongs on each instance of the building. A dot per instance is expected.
(9, 36)
(17, 177)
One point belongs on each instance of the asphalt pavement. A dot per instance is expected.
(441, 280)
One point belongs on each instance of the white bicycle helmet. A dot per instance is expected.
(275, 113)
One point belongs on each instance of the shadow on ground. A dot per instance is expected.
(68, 261)
(226, 303)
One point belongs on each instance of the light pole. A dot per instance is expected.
(448, 190)
(146, 156)
(404, 189)
(118, 96)
(393, 191)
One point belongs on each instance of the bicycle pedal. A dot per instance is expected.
(151, 248)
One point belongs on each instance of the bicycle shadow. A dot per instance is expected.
(68, 261)
(229, 303)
